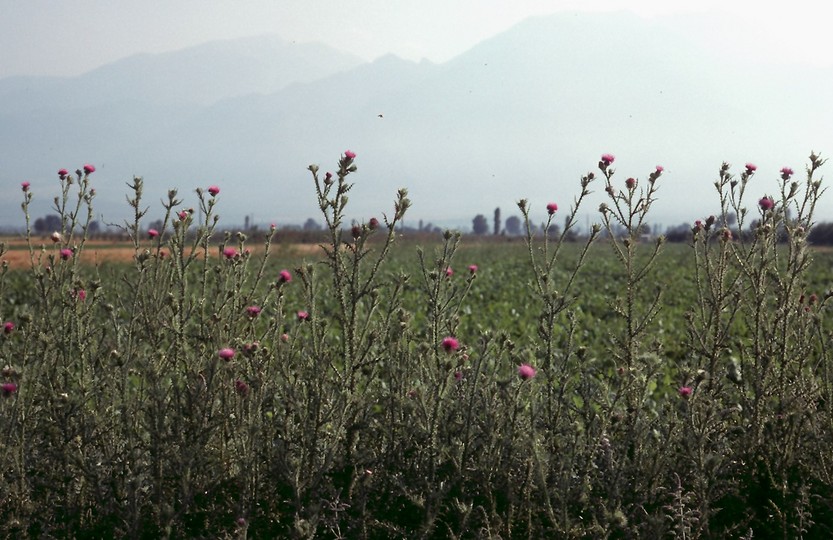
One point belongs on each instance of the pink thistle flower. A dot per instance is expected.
(303, 315)
(449, 272)
(243, 389)
(526, 372)
(450, 344)
(350, 155)
(373, 223)
(213, 190)
(328, 178)
(458, 376)
(685, 391)
(751, 167)
(182, 215)
(786, 173)
(552, 208)
(766, 203)
(607, 159)
(8, 328)
(630, 183)
(472, 268)
(284, 276)
(698, 225)
(226, 353)
(660, 168)
(153, 233)
(25, 186)
(356, 231)
(66, 254)
(81, 294)
(89, 169)
(7, 389)
(63, 173)
(285, 338)
(229, 252)
(253, 311)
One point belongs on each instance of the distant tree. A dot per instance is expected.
(479, 224)
(497, 221)
(513, 225)
(94, 227)
(311, 225)
(678, 233)
(47, 224)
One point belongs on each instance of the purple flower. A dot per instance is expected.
(81, 294)
(350, 155)
(89, 169)
(472, 268)
(8, 328)
(660, 168)
(66, 254)
(303, 315)
(63, 173)
(25, 186)
(229, 253)
(253, 311)
(607, 159)
(786, 173)
(284, 276)
(552, 208)
(373, 223)
(449, 272)
(153, 233)
(182, 215)
(766, 203)
(241, 388)
(751, 167)
(685, 391)
(630, 183)
(526, 372)
(7, 389)
(226, 353)
(213, 190)
(450, 344)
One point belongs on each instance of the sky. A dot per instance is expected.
(51, 37)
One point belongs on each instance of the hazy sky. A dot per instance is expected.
(52, 37)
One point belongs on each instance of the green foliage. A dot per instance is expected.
(381, 390)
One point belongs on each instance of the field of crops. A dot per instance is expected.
(386, 387)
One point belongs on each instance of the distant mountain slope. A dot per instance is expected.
(522, 114)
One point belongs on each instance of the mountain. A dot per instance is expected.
(199, 75)
(523, 114)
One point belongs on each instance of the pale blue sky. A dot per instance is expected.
(50, 37)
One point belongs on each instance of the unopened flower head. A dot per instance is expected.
(88, 168)
(241, 388)
(226, 353)
(284, 276)
(56, 237)
(450, 344)
(526, 372)
(373, 223)
(552, 208)
(253, 311)
(213, 190)
(630, 183)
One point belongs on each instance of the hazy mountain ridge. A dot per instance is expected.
(522, 114)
